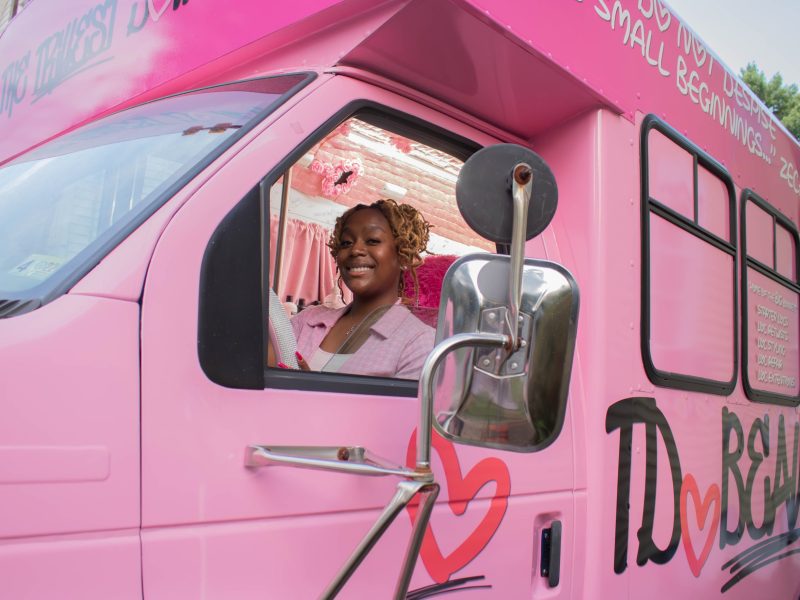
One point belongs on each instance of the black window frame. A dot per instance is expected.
(748, 195)
(652, 206)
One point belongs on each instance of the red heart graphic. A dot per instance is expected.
(461, 491)
(689, 486)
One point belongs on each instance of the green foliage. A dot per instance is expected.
(782, 99)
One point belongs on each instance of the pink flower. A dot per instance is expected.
(333, 173)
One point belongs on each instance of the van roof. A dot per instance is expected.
(522, 67)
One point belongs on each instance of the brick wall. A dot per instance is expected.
(432, 194)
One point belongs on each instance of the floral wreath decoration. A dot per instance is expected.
(337, 179)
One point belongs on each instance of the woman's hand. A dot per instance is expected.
(301, 362)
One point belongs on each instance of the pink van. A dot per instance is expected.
(612, 405)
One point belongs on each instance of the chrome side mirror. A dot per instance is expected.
(509, 395)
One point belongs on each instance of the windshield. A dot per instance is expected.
(66, 204)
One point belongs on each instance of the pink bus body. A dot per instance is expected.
(675, 470)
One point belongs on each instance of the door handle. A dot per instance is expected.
(359, 461)
(355, 460)
(551, 554)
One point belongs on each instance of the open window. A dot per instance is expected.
(770, 298)
(368, 156)
(689, 268)
(365, 153)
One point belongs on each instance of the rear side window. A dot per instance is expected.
(770, 298)
(689, 306)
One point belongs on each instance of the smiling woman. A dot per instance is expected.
(375, 334)
(361, 226)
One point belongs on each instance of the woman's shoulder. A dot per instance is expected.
(405, 321)
(416, 338)
(420, 325)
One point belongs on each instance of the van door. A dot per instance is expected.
(213, 528)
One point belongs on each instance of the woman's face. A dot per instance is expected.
(367, 256)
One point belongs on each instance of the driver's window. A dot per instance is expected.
(363, 296)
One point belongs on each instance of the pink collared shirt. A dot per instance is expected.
(397, 345)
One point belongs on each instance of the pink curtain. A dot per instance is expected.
(307, 271)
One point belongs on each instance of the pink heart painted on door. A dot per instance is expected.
(461, 491)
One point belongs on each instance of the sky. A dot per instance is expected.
(740, 31)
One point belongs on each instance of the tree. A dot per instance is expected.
(782, 99)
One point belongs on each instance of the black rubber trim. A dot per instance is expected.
(652, 206)
(402, 124)
(282, 379)
(696, 193)
(749, 195)
(87, 260)
(230, 345)
(678, 219)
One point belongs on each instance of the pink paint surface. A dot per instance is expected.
(112, 509)
(90, 566)
(69, 451)
(71, 432)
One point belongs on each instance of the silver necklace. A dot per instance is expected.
(353, 327)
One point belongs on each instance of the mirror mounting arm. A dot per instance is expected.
(435, 358)
(522, 183)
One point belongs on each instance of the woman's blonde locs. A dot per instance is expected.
(410, 230)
